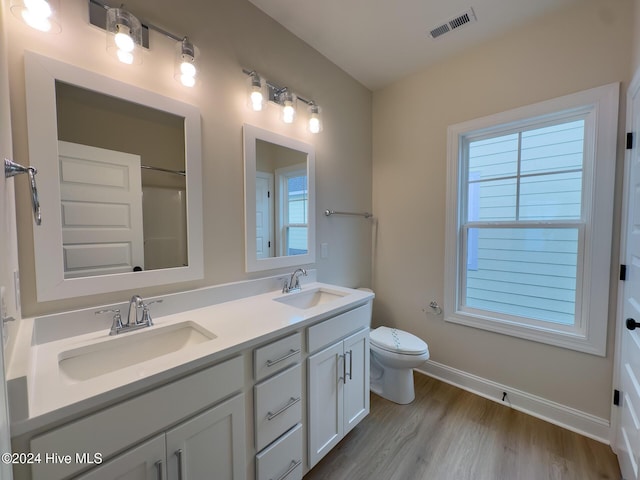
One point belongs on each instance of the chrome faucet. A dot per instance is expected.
(293, 285)
(134, 304)
(132, 323)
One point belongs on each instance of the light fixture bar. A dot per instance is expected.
(98, 15)
(275, 90)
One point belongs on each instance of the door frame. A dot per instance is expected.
(634, 88)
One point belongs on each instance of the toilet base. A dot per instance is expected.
(394, 384)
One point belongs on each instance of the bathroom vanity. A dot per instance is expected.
(261, 387)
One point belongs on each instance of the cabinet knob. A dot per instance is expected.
(632, 324)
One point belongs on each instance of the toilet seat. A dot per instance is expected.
(397, 341)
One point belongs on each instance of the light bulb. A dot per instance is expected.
(314, 125)
(315, 122)
(256, 100)
(185, 68)
(36, 14)
(125, 57)
(38, 8)
(188, 68)
(288, 114)
(123, 39)
(34, 21)
(187, 80)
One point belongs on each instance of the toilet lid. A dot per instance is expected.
(397, 341)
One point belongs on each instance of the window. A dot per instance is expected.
(530, 203)
(293, 195)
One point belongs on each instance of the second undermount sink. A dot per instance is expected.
(127, 350)
(310, 298)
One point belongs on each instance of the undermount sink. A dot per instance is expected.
(310, 298)
(129, 349)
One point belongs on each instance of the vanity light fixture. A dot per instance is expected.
(124, 36)
(259, 91)
(186, 69)
(38, 14)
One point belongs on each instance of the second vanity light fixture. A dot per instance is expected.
(261, 91)
(126, 35)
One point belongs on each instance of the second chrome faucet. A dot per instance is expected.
(293, 285)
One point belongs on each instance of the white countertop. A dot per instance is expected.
(237, 325)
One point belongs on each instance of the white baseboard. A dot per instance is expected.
(566, 417)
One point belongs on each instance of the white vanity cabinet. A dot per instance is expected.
(144, 462)
(278, 408)
(212, 442)
(338, 379)
(210, 445)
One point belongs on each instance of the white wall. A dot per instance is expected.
(231, 34)
(585, 46)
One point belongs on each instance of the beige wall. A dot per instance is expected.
(586, 46)
(635, 50)
(231, 34)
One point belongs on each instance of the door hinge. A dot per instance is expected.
(629, 140)
(616, 398)
(623, 272)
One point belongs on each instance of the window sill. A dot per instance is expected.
(572, 340)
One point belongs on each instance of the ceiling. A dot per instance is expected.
(380, 41)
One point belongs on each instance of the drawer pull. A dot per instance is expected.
(292, 402)
(179, 455)
(158, 465)
(292, 352)
(350, 365)
(292, 467)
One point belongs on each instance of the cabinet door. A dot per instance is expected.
(326, 383)
(210, 446)
(144, 462)
(356, 390)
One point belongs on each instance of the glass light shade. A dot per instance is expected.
(256, 92)
(38, 14)
(124, 36)
(315, 120)
(186, 69)
(288, 101)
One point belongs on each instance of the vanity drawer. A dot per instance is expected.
(278, 405)
(329, 331)
(282, 459)
(277, 356)
(126, 423)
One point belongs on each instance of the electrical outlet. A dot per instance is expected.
(324, 250)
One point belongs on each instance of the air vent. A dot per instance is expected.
(459, 21)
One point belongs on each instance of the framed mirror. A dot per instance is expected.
(119, 177)
(279, 188)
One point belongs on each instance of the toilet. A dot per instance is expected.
(394, 355)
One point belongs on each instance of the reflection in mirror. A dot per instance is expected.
(279, 200)
(122, 189)
(282, 199)
(122, 184)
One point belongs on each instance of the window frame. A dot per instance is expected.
(599, 108)
(282, 175)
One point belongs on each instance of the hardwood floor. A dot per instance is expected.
(451, 434)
